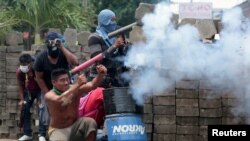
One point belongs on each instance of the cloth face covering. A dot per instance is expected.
(106, 25)
(53, 50)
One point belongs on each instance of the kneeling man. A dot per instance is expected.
(63, 103)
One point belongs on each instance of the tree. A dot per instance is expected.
(40, 14)
(6, 20)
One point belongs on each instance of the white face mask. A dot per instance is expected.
(24, 69)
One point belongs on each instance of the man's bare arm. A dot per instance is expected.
(81, 86)
(63, 99)
(102, 71)
(66, 97)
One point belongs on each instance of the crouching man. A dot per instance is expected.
(63, 102)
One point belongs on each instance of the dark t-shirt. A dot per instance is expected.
(27, 81)
(42, 64)
(97, 45)
(115, 67)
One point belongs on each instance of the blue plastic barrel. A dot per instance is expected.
(125, 127)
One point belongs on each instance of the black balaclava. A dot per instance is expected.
(53, 51)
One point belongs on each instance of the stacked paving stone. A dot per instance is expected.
(2, 76)
(229, 103)
(9, 114)
(3, 129)
(70, 36)
(186, 113)
(148, 117)
(164, 116)
(82, 39)
(187, 110)
(210, 107)
(12, 54)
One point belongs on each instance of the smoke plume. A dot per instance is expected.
(171, 54)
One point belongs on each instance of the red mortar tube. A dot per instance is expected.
(88, 63)
(91, 61)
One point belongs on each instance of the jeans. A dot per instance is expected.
(29, 98)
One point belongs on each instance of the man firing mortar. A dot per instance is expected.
(63, 102)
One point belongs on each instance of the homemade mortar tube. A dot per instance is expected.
(103, 55)
(93, 60)
(122, 30)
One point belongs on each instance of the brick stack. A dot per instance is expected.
(71, 38)
(2, 76)
(186, 113)
(229, 104)
(210, 107)
(3, 130)
(187, 110)
(82, 39)
(10, 113)
(148, 117)
(164, 116)
(12, 109)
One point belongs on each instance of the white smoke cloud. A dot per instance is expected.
(171, 54)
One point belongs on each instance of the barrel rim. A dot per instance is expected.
(123, 114)
(113, 88)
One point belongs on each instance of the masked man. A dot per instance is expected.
(56, 56)
(28, 91)
(100, 41)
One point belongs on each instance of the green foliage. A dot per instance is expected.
(35, 15)
(46, 13)
(3, 33)
(6, 21)
(39, 14)
(75, 15)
